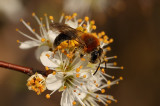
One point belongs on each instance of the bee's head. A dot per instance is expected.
(95, 55)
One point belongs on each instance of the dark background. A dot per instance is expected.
(134, 25)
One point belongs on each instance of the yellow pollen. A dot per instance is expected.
(79, 94)
(48, 96)
(84, 25)
(74, 103)
(33, 14)
(59, 47)
(111, 40)
(43, 40)
(113, 77)
(33, 30)
(109, 101)
(121, 78)
(18, 41)
(81, 67)
(79, 20)
(96, 96)
(115, 63)
(99, 100)
(65, 87)
(115, 56)
(62, 14)
(62, 50)
(92, 22)
(108, 82)
(94, 27)
(51, 18)
(81, 84)
(103, 70)
(115, 101)
(103, 91)
(66, 17)
(82, 59)
(103, 33)
(41, 18)
(84, 76)
(80, 28)
(45, 14)
(46, 68)
(54, 73)
(86, 18)
(78, 70)
(17, 29)
(77, 75)
(117, 82)
(94, 81)
(48, 55)
(108, 48)
(21, 20)
(74, 14)
(96, 85)
(122, 67)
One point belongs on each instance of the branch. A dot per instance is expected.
(25, 70)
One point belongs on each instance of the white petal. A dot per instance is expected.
(72, 24)
(53, 83)
(49, 62)
(52, 35)
(28, 44)
(39, 51)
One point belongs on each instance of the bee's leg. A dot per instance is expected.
(81, 55)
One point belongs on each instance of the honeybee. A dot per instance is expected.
(87, 42)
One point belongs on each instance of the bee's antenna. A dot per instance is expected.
(97, 67)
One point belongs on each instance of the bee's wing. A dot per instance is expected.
(68, 31)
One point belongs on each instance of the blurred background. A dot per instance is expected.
(134, 25)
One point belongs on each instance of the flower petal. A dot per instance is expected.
(49, 62)
(72, 24)
(52, 35)
(53, 83)
(28, 44)
(39, 51)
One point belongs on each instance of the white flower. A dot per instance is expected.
(36, 83)
(76, 77)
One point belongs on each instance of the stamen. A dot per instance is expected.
(48, 96)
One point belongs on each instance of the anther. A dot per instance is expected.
(48, 96)
(74, 103)
(121, 78)
(33, 14)
(103, 91)
(54, 73)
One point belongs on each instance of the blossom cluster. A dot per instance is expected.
(75, 76)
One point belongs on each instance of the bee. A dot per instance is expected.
(87, 42)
